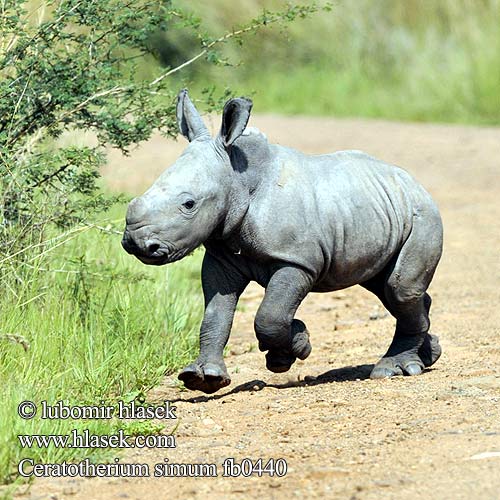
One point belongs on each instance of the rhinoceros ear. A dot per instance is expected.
(234, 119)
(189, 120)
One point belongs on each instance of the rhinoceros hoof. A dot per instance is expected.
(279, 361)
(208, 378)
(397, 365)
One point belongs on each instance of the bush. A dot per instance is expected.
(77, 69)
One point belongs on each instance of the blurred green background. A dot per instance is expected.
(419, 60)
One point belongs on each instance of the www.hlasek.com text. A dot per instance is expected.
(85, 439)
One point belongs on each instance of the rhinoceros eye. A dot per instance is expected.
(189, 204)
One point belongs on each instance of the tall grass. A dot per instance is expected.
(422, 60)
(99, 325)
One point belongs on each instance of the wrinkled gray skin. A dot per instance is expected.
(295, 224)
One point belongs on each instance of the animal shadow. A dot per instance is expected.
(345, 374)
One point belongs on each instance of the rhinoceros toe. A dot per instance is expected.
(403, 364)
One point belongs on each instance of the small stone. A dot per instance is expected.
(486, 454)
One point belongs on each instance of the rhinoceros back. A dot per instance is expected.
(341, 216)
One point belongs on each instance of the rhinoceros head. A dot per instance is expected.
(191, 198)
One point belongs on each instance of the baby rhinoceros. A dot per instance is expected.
(295, 224)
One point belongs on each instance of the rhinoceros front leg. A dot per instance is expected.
(284, 337)
(222, 286)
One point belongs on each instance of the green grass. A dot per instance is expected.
(100, 326)
(323, 92)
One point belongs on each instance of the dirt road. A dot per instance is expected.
(342, 434)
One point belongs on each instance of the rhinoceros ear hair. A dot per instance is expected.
(189, 120)
(234, 119)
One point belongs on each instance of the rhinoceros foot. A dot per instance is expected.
(279, 361)
(402, 358)
(206, 377)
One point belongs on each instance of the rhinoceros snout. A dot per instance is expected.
(147, 248)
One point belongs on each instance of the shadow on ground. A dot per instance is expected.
(345, 374)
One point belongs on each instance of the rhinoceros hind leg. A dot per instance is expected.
(207, 377)
(402, 289)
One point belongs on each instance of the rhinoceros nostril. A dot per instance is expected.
(152, 247)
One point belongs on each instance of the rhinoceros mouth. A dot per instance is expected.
(154, 261)
(163, 259)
